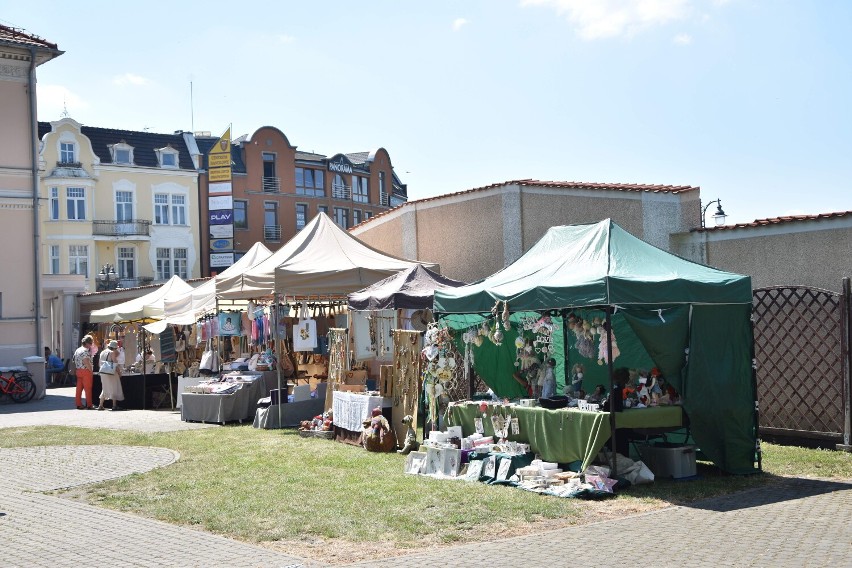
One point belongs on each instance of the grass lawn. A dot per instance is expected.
(329, 501)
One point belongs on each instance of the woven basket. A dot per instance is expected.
(325, 434)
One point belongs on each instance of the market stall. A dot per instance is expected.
(401, 301)
(318, 266)
(691, 322)
(234, 398)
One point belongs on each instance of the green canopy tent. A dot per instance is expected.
(693, 321)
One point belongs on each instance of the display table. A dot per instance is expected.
(351, 409)
(184, 382)
(222, 408)
(138, 390)
(563, 435)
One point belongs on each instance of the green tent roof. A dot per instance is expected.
(595, 265)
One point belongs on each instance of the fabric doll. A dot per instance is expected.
(576, 380)
(548, 382)
(603, 349)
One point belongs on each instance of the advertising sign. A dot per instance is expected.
(220, 259)
(222, 244)
(221, 232)
(222, 217)
(219, 187)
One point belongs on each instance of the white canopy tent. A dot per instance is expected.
(149, 306)
(186, 308)
(321, 260)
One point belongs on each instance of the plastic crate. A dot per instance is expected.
(669, 460)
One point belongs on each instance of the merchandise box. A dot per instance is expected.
(669, 460)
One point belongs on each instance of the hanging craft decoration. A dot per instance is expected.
(406, 388)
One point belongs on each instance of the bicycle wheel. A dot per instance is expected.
(23, 389)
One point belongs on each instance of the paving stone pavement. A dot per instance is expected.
(798, 523)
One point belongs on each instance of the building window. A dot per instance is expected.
(240, 214)
(341, 217)
(356, 216)
(126, 262)
(322, 209)
(124, 206)
(76, 203)
(271, 228)
(54, 204)
(310, 182)
(78, 260)
(67, 153)
(383, 192)
(164, 263)
(301, 216)
(180, 266)
(368, 214)
(271, 183)
(168, 157)
(122, 156)
(161, 209)
(360, 192)
(339, 189)
(54, 259)
(178, 210)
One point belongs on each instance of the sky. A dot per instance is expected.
(748, 99)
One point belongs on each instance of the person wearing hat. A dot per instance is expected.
(111, 383)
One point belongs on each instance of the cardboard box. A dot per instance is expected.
(352, 388)
(355, 377)
(669, 460)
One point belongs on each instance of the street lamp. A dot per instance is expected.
(107, 279)
(719, 216)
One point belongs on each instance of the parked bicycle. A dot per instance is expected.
(17, 384)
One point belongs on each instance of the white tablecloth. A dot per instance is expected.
(184, 382)
(352, 408)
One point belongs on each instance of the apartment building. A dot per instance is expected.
(277, 189)
(21, 312)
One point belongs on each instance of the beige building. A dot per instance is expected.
(119, 210)
(20, 308)
(477, 232)
(802, 250)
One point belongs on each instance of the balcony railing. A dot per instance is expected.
(121, 228)
(272, 232)
(134, 282)
(341, 191)
(271, 184)
(69, 164)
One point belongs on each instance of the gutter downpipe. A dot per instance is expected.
(36, 228)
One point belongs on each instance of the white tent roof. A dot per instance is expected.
(322, 259)
(201, 300)
(144, 307)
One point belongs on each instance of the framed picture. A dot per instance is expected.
(474, 470)
(503, 470)
(229, 323)
(414, 462)
(477, 425)
(489, 468)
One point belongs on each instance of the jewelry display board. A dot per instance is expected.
(338, 355)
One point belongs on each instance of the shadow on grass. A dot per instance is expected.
(785, 489)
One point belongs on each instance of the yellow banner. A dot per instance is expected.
(223, 146)
(220, 174)
(219, 160)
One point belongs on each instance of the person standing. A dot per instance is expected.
(83, 365)
(111, 382)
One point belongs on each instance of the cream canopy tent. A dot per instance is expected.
(321, 260)
(149, 306)
(185, 309)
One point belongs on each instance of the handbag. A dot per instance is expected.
(107, 368)
(305, 332)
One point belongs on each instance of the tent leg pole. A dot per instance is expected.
(282, 396)
(612, 421)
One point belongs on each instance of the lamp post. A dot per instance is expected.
(107, 279)
(719, 216)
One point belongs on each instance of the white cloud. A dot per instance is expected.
(54, 99)
(599, 19)
(682, 39)
(283, 38)
(458, 23)
(129, 79)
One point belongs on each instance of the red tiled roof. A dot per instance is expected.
(780, 220)
(19, 36)
(638, 187)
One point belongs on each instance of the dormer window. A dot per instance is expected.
(122, 153)
(67, 153)
(168, 157)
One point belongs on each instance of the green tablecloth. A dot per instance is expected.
(563, 435)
